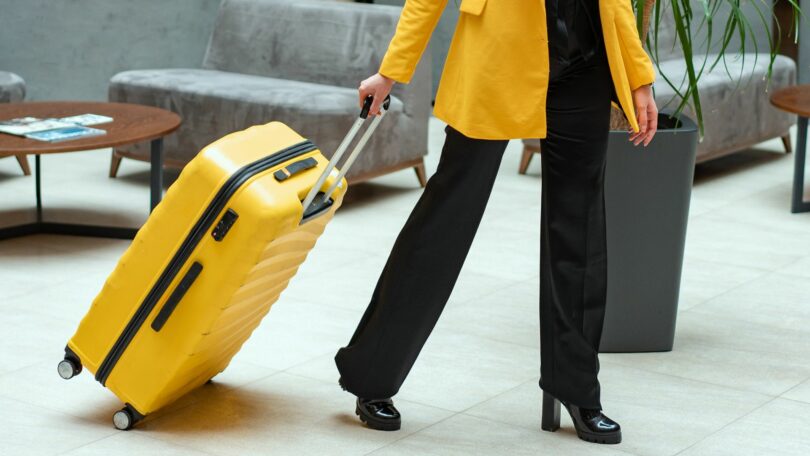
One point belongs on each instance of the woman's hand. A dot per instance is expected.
(647, 115)
(379, 87)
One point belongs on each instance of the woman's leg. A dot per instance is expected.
(573, 251)
(422, 268)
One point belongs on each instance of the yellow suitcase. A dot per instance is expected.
(207, 265)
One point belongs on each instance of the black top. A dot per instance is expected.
(574, 31)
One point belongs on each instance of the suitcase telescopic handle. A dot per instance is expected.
(341, 150)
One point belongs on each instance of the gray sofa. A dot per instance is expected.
(736, 110)
(295, 61)
(12, 88)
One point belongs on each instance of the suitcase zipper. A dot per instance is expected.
(199, 230)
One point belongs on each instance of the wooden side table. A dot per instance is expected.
(131, 123)
(796, 99)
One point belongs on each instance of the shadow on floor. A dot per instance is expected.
(736, 163)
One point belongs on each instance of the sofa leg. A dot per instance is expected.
(786, 143)
(421, 174)
(525, 159)
(22, 159)
(115, 162)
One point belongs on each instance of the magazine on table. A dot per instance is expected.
(57, 129)
(65, 134)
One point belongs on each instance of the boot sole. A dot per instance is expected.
(609, 439)
(377, 424)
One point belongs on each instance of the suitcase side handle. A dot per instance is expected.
(341, 150)
(176, 296)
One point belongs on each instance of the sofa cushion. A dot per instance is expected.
(12, 87)
(214, 103)
(325, 42)
(735, 99)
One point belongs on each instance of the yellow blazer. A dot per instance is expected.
(495, 78)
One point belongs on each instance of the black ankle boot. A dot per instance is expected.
(379, 414)
(591, 424)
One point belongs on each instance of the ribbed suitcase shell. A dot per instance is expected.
(242, 275)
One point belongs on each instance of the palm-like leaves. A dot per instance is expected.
(736, 24)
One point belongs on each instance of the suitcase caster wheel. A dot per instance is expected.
(68, 368)
(123, 420)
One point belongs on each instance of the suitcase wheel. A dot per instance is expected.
(68, 368)
(123, 420)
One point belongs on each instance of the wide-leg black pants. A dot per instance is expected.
(429, 252)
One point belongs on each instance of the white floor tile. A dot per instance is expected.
(775, 428)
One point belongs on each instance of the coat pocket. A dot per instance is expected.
(474, 7)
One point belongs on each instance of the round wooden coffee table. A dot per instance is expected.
(131, 124)
(796, 99)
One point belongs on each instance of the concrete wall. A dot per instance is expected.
(69, 49)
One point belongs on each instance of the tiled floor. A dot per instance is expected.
(737, 382)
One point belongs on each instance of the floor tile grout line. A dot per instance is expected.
(724, 263)
(146, 435)
(59, 412)
(770, 325)
(727, 425)
(411, 434)
(797, 401)
(739, 390)
(86, 444)
(156, 439)
(735, 287)
(791, 274)
(794, 387)
(464, 412)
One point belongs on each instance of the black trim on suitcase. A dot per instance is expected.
(178, 293)
(295, 168)
(189, 244)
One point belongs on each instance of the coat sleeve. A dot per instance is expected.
(638, 65)
(416, 24)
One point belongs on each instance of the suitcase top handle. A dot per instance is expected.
(344, 145)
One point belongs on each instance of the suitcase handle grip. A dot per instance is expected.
(344, 145)
(369, 101)
(177, 295)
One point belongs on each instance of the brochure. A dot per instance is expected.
(26, 125)
(63, 129)
(67, 133)
(87, 119)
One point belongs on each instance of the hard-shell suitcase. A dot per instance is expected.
(207, 265)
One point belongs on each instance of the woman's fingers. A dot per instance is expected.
(364, 91)
(378, 87)
(375, 106)
(653, 124)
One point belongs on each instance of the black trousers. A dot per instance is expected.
(429, 252)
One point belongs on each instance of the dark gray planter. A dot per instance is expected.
(647, 193)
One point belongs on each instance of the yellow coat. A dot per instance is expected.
(496, 74)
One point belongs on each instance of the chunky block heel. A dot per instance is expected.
(591, 424)
(551, 413)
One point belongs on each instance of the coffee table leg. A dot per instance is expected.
(798, 203)
(156, 181)
(38, 184)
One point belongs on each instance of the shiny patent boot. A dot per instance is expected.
(591, 424)
(379, 414)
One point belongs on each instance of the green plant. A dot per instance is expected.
(649, 15)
